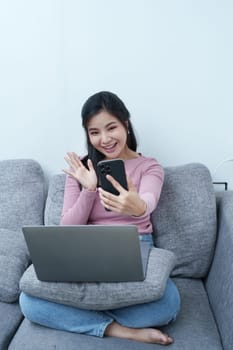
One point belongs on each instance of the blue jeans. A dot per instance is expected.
(63, 317)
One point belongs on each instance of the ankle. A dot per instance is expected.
(114, 329)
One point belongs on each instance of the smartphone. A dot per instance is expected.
(115, 168)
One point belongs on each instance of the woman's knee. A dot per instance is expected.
(172, 299)
(30, 306)
(26, 306)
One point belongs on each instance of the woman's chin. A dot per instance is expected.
(111, 155)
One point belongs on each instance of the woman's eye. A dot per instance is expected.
(112, 128)
(93, 133)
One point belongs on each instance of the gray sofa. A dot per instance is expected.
(187, 222)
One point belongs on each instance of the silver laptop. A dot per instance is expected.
(87, 253)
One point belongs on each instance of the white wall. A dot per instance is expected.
(169, 60)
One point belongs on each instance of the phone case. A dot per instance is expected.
(116, 169)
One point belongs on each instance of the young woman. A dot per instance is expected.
(110, 135)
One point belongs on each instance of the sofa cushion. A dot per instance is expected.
(54, 200)
(185, 219)
(22, 193)
(11, 317)
(22, 199)
(105, 296)
(14, 259)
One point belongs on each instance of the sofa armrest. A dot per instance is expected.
(219, 282)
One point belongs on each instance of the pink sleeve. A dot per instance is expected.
(77, 203)
(151, 185)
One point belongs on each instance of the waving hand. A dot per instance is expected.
(85, 176)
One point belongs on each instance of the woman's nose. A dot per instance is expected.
(105, 137)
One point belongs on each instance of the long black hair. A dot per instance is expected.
(111, 103)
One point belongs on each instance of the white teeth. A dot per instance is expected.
(109, 147)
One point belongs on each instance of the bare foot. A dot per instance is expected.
(145, 335)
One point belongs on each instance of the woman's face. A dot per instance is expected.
(108, 135)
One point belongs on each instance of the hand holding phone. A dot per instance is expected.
(115, 168)
(132, 203)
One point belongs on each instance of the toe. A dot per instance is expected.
(166, 339)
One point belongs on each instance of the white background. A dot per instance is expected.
(171, 62)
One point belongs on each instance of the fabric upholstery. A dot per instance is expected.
(185, 219)
(105, 296)
(54, 200)
(14, 259)
(11, 317)
(194, 329)
(22, 193)
(22, 199)
(219, 283)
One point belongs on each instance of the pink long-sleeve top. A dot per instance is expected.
(82, 207)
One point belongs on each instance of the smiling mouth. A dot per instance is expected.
(110, 148)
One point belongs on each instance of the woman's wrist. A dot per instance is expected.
(142, 209)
